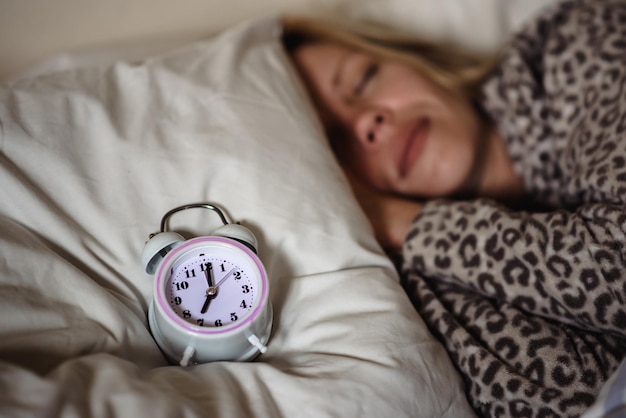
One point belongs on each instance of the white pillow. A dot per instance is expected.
(482, 25)
(91, 160)
(478, 24)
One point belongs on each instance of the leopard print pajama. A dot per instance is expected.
(531, 306)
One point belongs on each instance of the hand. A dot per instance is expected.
(225, 277)
(211, 291)
(390, 215)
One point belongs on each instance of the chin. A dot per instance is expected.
(429, 192)
(448, 189)
(455, 179)
(446, 181)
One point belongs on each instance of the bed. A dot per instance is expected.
(97, 145)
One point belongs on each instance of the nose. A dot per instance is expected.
(372, 126)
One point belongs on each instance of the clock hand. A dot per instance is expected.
(207, 301)
(225, 277)
(211, 292)
(208, 273)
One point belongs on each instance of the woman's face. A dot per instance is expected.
(388, 124)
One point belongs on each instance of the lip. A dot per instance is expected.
(412, 146)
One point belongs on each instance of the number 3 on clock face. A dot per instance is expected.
(210, 291)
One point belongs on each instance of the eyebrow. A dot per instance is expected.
(339, 71)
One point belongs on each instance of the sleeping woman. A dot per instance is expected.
(501, 182)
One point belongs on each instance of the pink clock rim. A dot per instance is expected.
(201, 330)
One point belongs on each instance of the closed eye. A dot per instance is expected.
(370, 71)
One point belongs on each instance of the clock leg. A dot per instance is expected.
(189, 352)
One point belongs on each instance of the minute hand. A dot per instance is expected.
(225, 277)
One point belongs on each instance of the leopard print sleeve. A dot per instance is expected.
(569, 266)
(559, 100)
(530, 306)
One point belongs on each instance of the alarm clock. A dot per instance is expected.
(211, 293)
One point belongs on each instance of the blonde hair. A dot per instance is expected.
(459, 71)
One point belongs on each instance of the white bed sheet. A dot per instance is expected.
(92, 157)
(96, 147)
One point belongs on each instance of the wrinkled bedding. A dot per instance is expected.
(90, 160)
(91, 157)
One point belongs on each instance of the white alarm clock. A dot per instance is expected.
(211, 293)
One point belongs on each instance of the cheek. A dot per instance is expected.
(405, 87)
(367, 167)
(450, 159)
(453, 165)
(439, 175)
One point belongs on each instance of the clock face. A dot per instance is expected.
(211, 283)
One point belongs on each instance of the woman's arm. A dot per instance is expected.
(569, 266)
(558, 101)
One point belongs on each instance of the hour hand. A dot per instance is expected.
(211, 290)
(208, 273)
(207, 302)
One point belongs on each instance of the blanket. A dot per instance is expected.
(531, 305)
